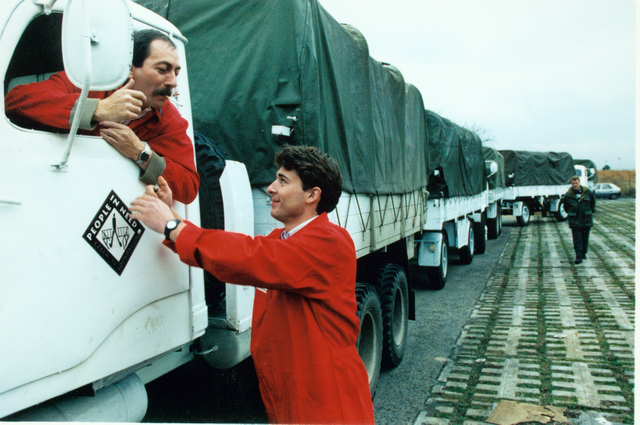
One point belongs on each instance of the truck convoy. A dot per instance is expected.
(97, 306)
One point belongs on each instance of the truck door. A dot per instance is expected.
(87, 290)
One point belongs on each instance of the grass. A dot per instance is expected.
(626, 179)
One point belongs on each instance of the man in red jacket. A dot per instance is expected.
(304, 326)
(137, 119)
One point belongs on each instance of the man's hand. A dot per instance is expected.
(123, 139)
(162, 191)
(151, 211)
(124, 104)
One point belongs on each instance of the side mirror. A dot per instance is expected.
(97, 43)
(97, 48)
(491, 167)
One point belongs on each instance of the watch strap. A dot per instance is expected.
(169, 227)
(144, 155)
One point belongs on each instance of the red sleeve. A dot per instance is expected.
(173, 144)
(47, 103)
(307, 265)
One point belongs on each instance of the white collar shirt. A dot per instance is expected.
(286, 234)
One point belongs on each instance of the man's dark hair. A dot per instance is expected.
(316, 169)
(142, 44)
(574, 178)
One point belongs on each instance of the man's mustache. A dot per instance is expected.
(165, 91)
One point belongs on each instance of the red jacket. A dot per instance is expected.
(47, 106)
(305, 327)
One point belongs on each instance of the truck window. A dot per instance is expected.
(38, 53)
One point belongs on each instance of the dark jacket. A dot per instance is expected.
(580, 208)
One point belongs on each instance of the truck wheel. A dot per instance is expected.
(494, 226)
(437, 276)
(394, 297)
(370, 338)
(466, 252)
(523, 220)
(561, 214)
(480, 237)
(613, 197)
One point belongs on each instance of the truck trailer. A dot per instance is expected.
(536, 181)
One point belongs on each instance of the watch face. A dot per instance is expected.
(169, 227)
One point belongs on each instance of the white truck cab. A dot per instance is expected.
(89, 298)
(586, 175)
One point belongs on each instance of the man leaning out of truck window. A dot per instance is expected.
(137, 119)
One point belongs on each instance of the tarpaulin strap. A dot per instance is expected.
(364, 226)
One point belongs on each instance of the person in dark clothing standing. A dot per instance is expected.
(580, 204)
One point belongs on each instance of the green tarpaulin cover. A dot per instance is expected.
(524, 168)
(456, 153)
(256, 64)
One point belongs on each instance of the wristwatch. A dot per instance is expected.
(144, 155)
(171, 225)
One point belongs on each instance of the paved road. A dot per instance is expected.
(440, 318)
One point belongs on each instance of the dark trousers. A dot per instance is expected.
(580, 240)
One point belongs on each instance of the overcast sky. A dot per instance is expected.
(539, 75)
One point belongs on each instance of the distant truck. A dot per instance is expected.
(97, 306)
(494, 162)
(456, 211)
(536, 181)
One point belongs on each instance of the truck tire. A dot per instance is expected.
(466, 252)
(494, 225)
(561, 214)
(369, 342)
(480, 237)
(394, 297)
(437, 276)
(523, 220)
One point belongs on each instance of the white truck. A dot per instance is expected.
(536, 181)
(495, 190)
(587, 171)
(459, 201)
(93, 306)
